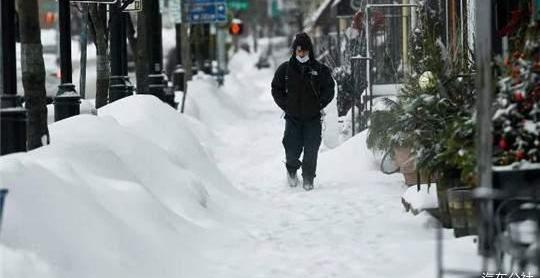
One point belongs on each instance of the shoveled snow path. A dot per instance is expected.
(351, 225)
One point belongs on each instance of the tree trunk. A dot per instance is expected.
(33, 73)
(98, 15)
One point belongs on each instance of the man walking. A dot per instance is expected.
(302, 87)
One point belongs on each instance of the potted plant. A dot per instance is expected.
(432, 117)
(386, 134)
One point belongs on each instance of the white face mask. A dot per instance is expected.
(302, 59)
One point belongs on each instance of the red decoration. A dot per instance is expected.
(503, 144)
(377, 19)
(358, 21)
(520, 154)
(518, 96)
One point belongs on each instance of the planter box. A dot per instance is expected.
(407, 166)
(445, 182)
(462, 211)
(521, 182)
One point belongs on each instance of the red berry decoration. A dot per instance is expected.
(518, 96)
(503, 144)
(520, 154)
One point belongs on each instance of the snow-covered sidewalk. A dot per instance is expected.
(141, 191)
(352, 225)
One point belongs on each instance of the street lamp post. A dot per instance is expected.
(13, 117)
(67, 100)
(157, 81)
(120, 86)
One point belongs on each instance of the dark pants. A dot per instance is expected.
(302, 135)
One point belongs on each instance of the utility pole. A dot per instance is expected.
(13, 117)
(119, 85)
(67, 100)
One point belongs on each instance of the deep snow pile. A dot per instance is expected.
(130, 193)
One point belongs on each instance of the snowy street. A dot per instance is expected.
(351, 225)
(205, 195)
(269, 138)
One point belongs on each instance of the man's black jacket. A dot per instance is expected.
(302, 90)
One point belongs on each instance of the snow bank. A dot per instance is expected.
(209, 104)
(416, 200)
(357, 165)
(150, 119)
(130, 193)
(246, 91)
(16, 263)
(242, 62)
(355, 152)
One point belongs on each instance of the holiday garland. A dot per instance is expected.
(517, 117)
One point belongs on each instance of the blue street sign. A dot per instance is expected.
(206, 11)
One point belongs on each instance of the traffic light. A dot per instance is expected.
(236, 27)
(50, 18)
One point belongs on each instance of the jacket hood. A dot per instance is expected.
(304, 41)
